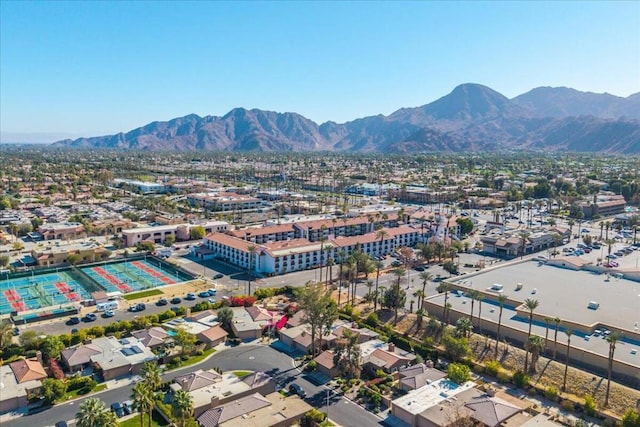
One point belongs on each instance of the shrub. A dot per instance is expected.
(590, 406)
(166, 315)
(311, 366)
(312, 418)
(262, 293)
(503, 377)
(56, 371)
(551, 393)
(242, 301)
(458, 373)
(631, 418)
(492, 367)
(78, 383)
(520, 379)
(372, 320)
(567, 405)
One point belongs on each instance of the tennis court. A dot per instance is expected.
(68, 285)
(131, 276)
(37, 291)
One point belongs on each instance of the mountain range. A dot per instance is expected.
(472, 118)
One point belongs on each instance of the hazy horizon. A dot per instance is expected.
(98, 68)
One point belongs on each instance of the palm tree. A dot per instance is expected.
(474, 294)
(601, 224)
(420, 314)
(322, 240)
(557, 321)
(444, 287)
(547, 320)
(531, 305)
(252, 251)
(379, 265)
(342, 254)
(612, 339)
(182, 407)
(142, 396)
(93, 413)
(420, 295)
(502, 298)
(369, 287)
(535, 345)
(571, 223)
(151, 375)
(607, 225)
(569, 332)
(464, 327)
(426, 277)
(479, 298)
(399, 273)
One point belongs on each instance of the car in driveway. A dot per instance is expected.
(296, 389)
(127, 406)
(72, 321)
(162, 301)
(16, 331)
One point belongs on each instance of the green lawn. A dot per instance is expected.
(241, 374)
(197, 359)
(76, 393)
(143, 294)
(156, 421)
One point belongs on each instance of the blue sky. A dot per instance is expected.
(91, 68)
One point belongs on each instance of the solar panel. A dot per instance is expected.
(136, 350)
(127, 351)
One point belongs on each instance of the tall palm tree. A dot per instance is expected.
(420, 295)
(479, 298)
(557, 321)
(182, 407)
(151, 375)
(502, 298)
(379, 266)
(547, 320)
(322, 240)
(426, 277)
(252, 251)
(535, 345)
(420, 314)
(612, 339)
(531, 305)
(142, 396)
(568, 332)
(444, 287)
(399, 273)
(370, 287)
(474, 294)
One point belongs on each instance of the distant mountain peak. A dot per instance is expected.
(472, 117)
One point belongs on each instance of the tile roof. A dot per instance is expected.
(214, 333)
(28, 370)
(492, 411)
(198, 379)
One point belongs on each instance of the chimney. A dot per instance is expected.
(39, 356)
(392, 347)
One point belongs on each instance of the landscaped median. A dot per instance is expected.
(143, 294)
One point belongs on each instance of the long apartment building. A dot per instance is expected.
(223, 201)
(286, 256)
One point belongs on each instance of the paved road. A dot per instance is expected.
(245, 357)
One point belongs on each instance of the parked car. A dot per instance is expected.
(419, 268)
(162, 301)
(127, 406)
(117, 408)
(72, 321)
(218, 276)
(204, 294)
(61, 424)
(190, 296)
(296, 389)
(176, 300)
(212, 292)
(108, 313)
(89, 317)
(16, 331)
(138, 307)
